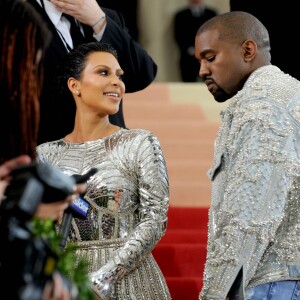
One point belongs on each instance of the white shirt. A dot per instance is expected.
(197, 10)
(61, 24)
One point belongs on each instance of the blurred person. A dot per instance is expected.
(186, 22)
(129, 194)
(23, 40)
(23, 43)
(94, 23)
(44, 211)
(253, 249)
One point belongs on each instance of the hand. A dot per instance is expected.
(55, 210)
(7, 167)
(85, 11)
(55, 289)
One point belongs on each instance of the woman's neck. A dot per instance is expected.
(80, 134)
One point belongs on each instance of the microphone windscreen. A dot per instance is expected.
(79, 208)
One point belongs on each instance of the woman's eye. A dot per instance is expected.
(103, 72)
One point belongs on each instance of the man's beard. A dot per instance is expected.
(221, 96)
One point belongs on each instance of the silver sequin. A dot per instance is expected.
(129, 198)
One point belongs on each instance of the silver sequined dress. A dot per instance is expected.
(129, 198)
(254, 219)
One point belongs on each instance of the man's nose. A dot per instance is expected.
(203, 69)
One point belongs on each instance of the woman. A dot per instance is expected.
(128, 196)
(24, 39)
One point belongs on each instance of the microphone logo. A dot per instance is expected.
(80, 207)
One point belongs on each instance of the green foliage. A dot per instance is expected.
(66, 264)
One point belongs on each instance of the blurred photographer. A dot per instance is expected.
(23, 41)
(53, 210)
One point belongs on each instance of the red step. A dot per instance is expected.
(184, 288)
(185, 236)
(187, 218)
(182, 260)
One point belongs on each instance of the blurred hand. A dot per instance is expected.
(7, 167)
(55, 289)
(52, 210)
(85, 11)
(55, 210)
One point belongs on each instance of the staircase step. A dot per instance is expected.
(194, 170)
(166, 110)
(189, 194)
(186, 288)
(187, 217)
(185, 260)
(187, 150)
(180, 130)
(184, 236)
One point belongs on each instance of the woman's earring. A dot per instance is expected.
(77, 92)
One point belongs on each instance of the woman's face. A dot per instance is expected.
(100, 87)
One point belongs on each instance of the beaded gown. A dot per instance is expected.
(129, 199)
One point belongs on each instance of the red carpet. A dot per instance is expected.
(181, 252)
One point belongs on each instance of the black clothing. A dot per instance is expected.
(77, 36)
(185, 28)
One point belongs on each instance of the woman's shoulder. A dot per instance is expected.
(139, 137)
(50, 145)
(138, 132)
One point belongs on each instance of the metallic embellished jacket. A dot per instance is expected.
(129, 199)
(254, 218)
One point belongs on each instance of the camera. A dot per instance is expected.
(26, 261)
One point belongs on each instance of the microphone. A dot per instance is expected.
(77, 209)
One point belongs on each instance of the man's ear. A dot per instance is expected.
(250, 49)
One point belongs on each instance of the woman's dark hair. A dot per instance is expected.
(23, 38)
(75, 62)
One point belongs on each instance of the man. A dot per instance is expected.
(96, 23)
(254, 239)
(186, 22)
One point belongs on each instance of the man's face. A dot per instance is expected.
(222, 65)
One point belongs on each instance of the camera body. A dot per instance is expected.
(27, 262)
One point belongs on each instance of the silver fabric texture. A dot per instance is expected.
(254, 218)
(129, 198)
